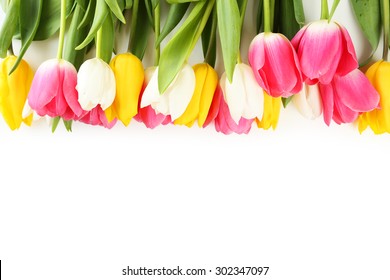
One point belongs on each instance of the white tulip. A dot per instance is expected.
(308, 101)
(175, 99)
(95, 84)
(244, 96)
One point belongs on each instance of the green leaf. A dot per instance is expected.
(29, 17)
(83, 4)
(9, 26)
(116, 10)
(68, 125)
(155, 3)
(74, 38)
(175, 14)
(150, 13)
(50, 18)
(89, 14)
(178, 48)
(107, 39)
(230, 33)
(181, 1)
(286, 101)
(209, 39)
(55, 123)
(299, 12)
(101, 14)
(140, 34)
(368, 14)
(287, 22)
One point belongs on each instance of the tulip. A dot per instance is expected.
(176, 98)
(243, 96)
(324, 49)
(198, 108)
(95, 84)
(348, 96)
(129, 77)
(225, 123)
(53, 91)
(147, 115)
(275, 64)
(272, 106)
(378, 119)
(96, 116)
(14, 89)
(308, 101)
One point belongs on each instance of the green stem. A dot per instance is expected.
(202, 24)
(157, 34)
(334, 7)
(386, 23)
(324, 9)
(267, 16)
(62, 30)
(133, 23)
(99, 36)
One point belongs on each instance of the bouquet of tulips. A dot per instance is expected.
(312, 64)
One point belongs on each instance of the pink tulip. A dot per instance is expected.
(324, 49)
(96, 116)
(275, 64)
(224, 122)
(348, 96)
(53, 91)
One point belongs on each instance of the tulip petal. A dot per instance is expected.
(342, 113)
(308, 101)
(180, 91)
(356, 92)
(214, 107)
(234, 94)
(254, 104)
(45, 85)
(208, 92)
(256, 58)
(151, 93)
(348, 59)
(69, 84)
(327, 97)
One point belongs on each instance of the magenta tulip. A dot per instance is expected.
(275, 64)
(96, 116)
(324, 49)
(348, 96)
(53, 91)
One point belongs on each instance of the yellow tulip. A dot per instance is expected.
(271, 113)
(378, 119)
(198, 108)
(14, 89)
(129, 77)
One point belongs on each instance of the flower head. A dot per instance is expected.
(176, 98)
(14, 89)
(198, 108)
(53, 91)
(275, 64)
(324, 49)
(272, 106)
(243, 96)
(95, 84)
(129, 77)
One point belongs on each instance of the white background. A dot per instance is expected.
(307, 200)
